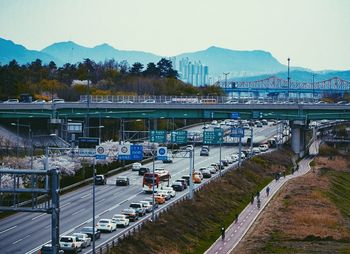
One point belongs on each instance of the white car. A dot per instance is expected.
(147, 205)
(256, 150)
(263, 148)
(39, 101)
(84, 238)
(106, 225)
(234, 157)
(229, 159)
(11, 101)
(170, 190)
(211, 169)
(57, 101)
(136, 166)
(149, 101)
(121, 220)
(70, 243)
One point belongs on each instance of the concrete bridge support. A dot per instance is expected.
(298, 137)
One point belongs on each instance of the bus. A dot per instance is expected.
(161, 178)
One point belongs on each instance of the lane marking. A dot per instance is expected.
(38, 216)
(19, 240)
(86, 195)
(7, 229)
(65, 205)
(78, 211)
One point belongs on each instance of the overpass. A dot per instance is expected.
(298, 114)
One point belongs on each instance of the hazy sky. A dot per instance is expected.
(313, 33)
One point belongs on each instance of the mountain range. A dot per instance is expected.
(239, 64)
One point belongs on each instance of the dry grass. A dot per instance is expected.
(302, 210)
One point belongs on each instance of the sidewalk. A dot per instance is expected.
(246, 218)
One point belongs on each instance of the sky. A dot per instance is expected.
(314, 34)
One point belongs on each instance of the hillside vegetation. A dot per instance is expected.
(310, 214)
(192, 226)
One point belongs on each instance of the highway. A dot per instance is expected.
(27, 232)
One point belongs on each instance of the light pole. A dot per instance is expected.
(288, 79)
(30, 138)
(313, 86)
(226, 78)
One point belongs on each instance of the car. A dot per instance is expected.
(70, 243)
(224, 163)
(159, 198)
(57, 101)
(183, 182)
(204, 152)
(106, 225)
(39, 101)
(206, 173)
(263, 147)
(147, 205)
(164, 193)
(100, 180)
(206, 147)
(170, 190)
(168, 159)
(259, 125)
(150, 200)
(120, 220)
(84, 238)
(47, 249)
(229, 159)
(199, 174)
(138, 207)
(122, 181)
(187, 179)
(196, 178)
(11, 101)
(136, 166)
(256, 150)
(89, 232)
(143, 170)
(149, 101)
(104, 101)
(216, 166)
(131, 214)
(212, 169)
(234, 157)
(177, 186)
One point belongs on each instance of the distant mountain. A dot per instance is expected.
(238, 63)
(70, 52)
(299, 75)
(10, 51)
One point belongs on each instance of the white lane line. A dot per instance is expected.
(19, 240)
(38, 216)
(99, 201)
(7, 229)
(85, 195)
(65, 205)
(78, 211)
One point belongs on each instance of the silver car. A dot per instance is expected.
(84, 238)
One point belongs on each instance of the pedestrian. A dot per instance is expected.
(236, 218)
(267, 191)
(292, 170)
(258, 203)
(284, 174)
(258, 194)
(276, 177)
(252, 199)
(223, 233)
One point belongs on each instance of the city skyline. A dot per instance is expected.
(314, 34)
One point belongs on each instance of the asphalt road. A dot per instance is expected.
(27, 232)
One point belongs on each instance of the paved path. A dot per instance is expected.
(246, 218)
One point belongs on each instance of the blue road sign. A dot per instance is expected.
(234, 115)
(162, 153)
(136, 153)
(237, 133)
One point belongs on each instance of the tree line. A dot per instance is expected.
(47, 81)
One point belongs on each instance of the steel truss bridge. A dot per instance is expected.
(277, 85)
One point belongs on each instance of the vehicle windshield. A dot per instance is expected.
(149, 179)
(67, 239)
(104, 221)
(135, 205)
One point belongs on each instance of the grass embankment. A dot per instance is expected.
(311, 214)
(192, 226)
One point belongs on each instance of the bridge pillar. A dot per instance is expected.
(298, 137)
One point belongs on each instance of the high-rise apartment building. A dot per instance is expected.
(194, 73)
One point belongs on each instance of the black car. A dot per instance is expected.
(168, 160)
(89, 232)
(183, 182)
(178, 186)
(187, 179)
(224, 163)
(100, 180)
(206, 173)
(122, 181)
(47, 249)
(143, 170)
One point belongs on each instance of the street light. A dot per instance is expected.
(288, 77)
(29, 137)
